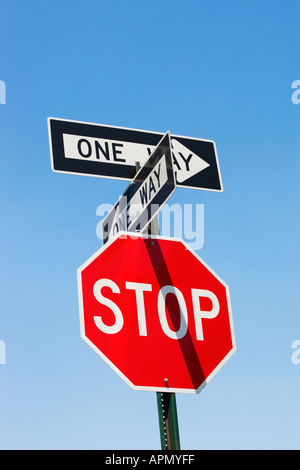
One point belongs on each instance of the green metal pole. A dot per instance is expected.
(166, 401)
(168, 421)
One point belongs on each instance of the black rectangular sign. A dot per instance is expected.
(150, 189)
(111, 152)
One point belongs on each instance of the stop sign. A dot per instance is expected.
(156, 313)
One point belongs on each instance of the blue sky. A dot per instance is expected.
(213, 70)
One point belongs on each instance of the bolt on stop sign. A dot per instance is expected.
(156, 313)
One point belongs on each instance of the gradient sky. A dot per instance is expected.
(208, 69)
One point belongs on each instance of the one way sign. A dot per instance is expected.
(112, 152)
(147, 193)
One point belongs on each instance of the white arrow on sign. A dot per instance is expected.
(186, 163)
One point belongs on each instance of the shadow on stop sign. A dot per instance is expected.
(156, 313)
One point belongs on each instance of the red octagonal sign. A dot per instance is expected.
(156, 313)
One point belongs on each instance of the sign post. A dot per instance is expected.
(168, 421)
(166, 402)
